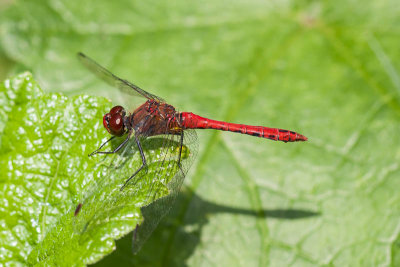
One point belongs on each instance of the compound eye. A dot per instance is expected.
(106, 122)
(117, 110)
(116, 125)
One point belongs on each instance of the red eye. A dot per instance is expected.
(114, 122)
(106, 121)
(116, 125)
(116, 110)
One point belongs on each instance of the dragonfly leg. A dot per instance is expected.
(180, 152)
(96, 151)
(115, 150)
(144, 164)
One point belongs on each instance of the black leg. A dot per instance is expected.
(115, 150)
(144, 164)
(180, 151)
(95, 152)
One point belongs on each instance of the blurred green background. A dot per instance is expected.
(329, 70)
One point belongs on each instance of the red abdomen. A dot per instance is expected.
(193, 121)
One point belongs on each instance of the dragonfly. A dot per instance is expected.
(155, 117)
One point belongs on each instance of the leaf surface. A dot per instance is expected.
(46, 173)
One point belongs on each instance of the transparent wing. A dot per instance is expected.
(111, 79)
(168, 161)
(152, 193)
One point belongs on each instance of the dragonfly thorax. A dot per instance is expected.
(114, 121)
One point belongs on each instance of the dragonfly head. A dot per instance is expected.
(114, 121)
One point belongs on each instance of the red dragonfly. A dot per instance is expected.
(155, 117)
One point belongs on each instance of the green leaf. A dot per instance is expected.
(46, 173)
(329, 70)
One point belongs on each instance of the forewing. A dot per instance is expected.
(113, 80)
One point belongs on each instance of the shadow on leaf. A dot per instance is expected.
(172, 244)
